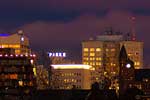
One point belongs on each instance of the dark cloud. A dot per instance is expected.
(67, 35)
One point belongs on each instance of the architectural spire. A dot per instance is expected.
(123, 54)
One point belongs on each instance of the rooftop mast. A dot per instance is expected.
(133, 32)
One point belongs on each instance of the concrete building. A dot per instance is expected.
(102, 53)
(17, 41)
(68, 76)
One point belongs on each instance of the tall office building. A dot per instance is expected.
(17, 76)
(18, 42)
(102, 53)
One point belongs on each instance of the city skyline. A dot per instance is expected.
(57, 22)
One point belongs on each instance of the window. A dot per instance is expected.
(92, 49)
(85, 58)
(98, 58)
(85, 49)
(98, 63)
(98, 49)
(112, 50)
(92, 54)
(85, 54)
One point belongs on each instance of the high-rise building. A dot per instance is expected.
(102, 54)
(17, 76)
(18, 42)
(69, 76)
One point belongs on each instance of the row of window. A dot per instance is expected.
(15, 76)
(19, 83)
(10, 46)
(92, 58)
(91, 54)
(98, 49)
(72, 80)
(71, 74)
(91, 49)
(93, 63)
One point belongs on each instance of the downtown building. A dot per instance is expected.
(71, 76)
(17, 67)
(102, 54)
(17, 76)
(18, 41)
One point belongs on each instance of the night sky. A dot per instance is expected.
(63, 24)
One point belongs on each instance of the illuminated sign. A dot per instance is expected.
(56, 54)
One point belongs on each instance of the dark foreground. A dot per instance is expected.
(80, 95)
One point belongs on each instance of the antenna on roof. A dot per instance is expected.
(133, 32)
(20, 32)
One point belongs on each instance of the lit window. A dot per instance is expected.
(98, 63)
(13, 76)
(112, 50)
(137, 63)
(92, 54)
(107, 49)
(17, 51)
(85, 49)
(98, 58)
(85, 54)
(4, 46)
(91, 58)
(92, 49)
(34, 71)
(20, 83)
(85, 58)
(98, 49)
(93, 64)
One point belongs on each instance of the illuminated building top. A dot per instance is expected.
(71, 66)
(4, 34)
(17, 55)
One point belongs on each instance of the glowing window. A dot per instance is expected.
(112, 50)
(20, 83)
(137, 63)
(85, 49)
(98, 63)
(14, 46)
(85, 58)
(98, 58)
(13, 76)
(91, 58)
(92, 54)
(92, 49)
(98, 49)
(17, 51)
(4, 46)
(85, 54)
(107, 49)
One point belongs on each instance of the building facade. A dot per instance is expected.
(18, 42)
(17, 77)
(102, 53)
(69, 76)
